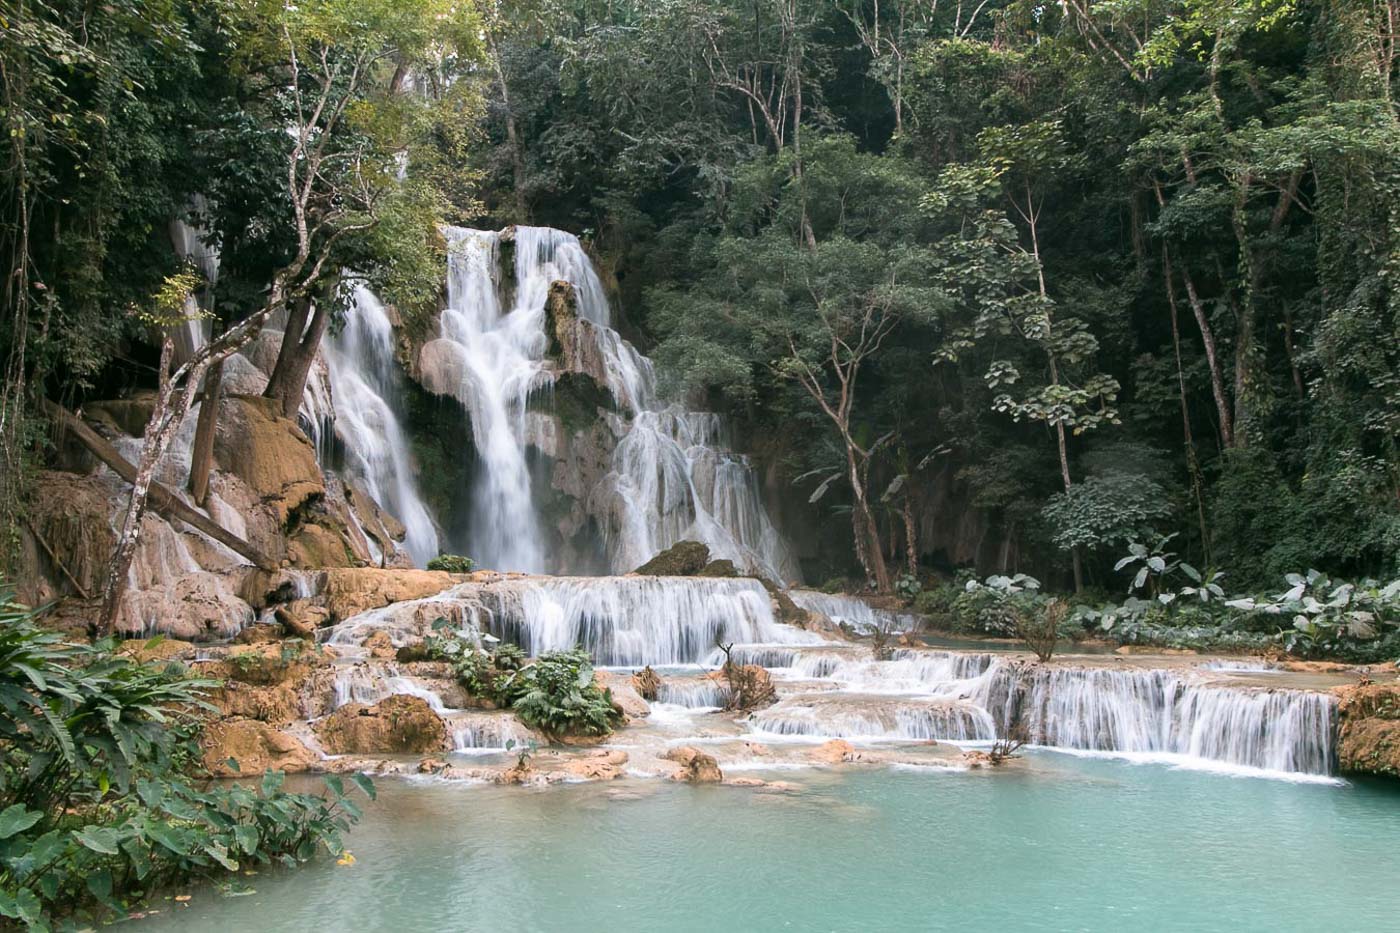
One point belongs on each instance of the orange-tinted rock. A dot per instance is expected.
(254, 747)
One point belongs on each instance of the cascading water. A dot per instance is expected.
(365, 384)
(853, 611)
(1154, 711)
(672, 478)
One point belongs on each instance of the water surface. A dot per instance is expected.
(1061, 843)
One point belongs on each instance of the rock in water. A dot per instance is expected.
(682, 559)
(695, 766)
(1368, 740)
(395, 725)
(254, 746)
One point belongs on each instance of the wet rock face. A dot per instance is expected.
(696, 767)
(1368, 739)
(395, 725)
(351, 591)
(268, 452)
(682, 559)
(253, 747)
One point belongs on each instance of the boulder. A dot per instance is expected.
(395, 725)
(268, 452)
(696, 767)
(1368, 737)
(625, 698)
(67, 535)
(682, 559)
(719, 568)
(348, 592)
(381, 646)
(276, 704)
(254, 746)
(834, 752)
(602, 765)
(260, 634)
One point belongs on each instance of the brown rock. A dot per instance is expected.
(696, 766)
(254, 746)
(625, 697)
(259, 635)
(395, 725)
(268, 452)
(278, 704)
(349, 591)
(381, 646)
(602, 765)
(1368, 738)
(146, 650)
(682, 559)
(834, 752)
(432, 766)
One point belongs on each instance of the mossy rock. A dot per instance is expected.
(719, 568)
(682, 559)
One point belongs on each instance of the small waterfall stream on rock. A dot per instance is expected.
(365, 387)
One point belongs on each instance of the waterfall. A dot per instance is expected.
(365, 382)
(842, 715)
(495, 355)
(853, 611)
(636, 620)
(1156, 711)
(672, 477)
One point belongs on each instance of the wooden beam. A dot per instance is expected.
(161, 499)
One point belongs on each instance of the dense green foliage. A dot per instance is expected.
(555, 693)
(452, 563)
(100, 799)
(1089, 270)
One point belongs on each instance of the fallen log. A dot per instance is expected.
(161, 499)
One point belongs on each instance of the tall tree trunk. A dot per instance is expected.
(1193, 467)
(202, 454)
(156, 438)
(288, 382)
(866, 530)
(513, 142)
(911, 541)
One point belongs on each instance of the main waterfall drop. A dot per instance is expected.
(670, 475)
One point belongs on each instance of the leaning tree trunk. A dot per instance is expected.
(288, 381)
(160, 430)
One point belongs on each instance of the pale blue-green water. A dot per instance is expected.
(1064, 843)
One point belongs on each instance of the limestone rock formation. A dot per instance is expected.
(253, 747)
(696, 767)
(268, 452)
(682, 559)
(1368, 739)
(395, 725)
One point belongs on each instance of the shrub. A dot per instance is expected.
(452, 563)
(557, 695)
(98, 803)
(1039, 625)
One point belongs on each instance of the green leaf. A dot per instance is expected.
(16, 818)
(100, 839)
(363, 782)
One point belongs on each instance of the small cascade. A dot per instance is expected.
(850, 715)
(474, 731)
(1156, 711)
(366, 686)
(364, 379)
(693, 692)
(854, 611)
(631, 621)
